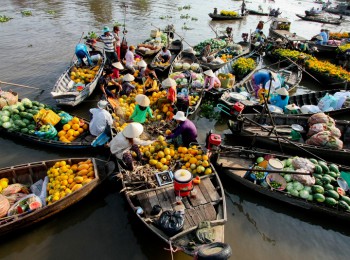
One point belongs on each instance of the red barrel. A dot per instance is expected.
(183, 183)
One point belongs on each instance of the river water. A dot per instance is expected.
(35, 50)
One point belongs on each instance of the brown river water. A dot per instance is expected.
(35, 50)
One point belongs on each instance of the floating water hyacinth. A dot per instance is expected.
(51, 12)
(194, 19)
(26, 13)
(185, 16)
(4, 18)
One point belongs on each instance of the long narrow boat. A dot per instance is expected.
(227, 68)
(28, 174)
(319, 19)
(235, 160)
(225, 17)
(292, 76)
(229, 49)
(259, 133)
(255, 12)
(208, 206)
(280, 28)
(65, 92)
(327, 49)
(191, 59)
(175, 48)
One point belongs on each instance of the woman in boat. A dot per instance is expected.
(81, 51)
(100, 118)
(127, 87)
(260, 26)
(142, 109)
(109, 45)
(260, 79)
(129, 59)
(211, 81)
(126, 142)
(141, 68)
(117, 66)
(165, 55)
(280, 98)
(170, 85)
(206, 53)
(151, 83)
(115, 33)
(107, 84)
(186, 132)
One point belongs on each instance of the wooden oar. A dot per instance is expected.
(22, 86)
(264, 170)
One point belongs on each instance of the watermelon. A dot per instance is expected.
(317, 175)
(325, 168)
(342, 204)
(31, 132)
(318, 182)
(330, 201)
(31, 127)
(35, 205)
(328, 187)
(314, 161)
(319, 197)
(346, 199)
(334, 168)
(330, 177)
(16, 117)
(332, 194)
(310, 198)
(20, 123)
(332, 174)
(24, 130)
(326, 179)
(317, 189)
(304, 194)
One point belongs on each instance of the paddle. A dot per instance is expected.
(74, 50)
(22, 86)
(265, 170)
(303, 69)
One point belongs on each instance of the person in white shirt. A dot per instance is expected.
(165, 55)
(100, 118)
(129, 59)
(126, 141)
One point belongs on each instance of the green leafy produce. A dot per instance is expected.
(298, 186)
(275, 184)
(294, 193)
(4, 18)
(288, 177)
(342, 204)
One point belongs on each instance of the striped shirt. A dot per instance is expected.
(108, 41)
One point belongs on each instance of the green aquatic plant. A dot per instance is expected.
(165, 17)
(194, 19)
(186, 7)
(51, 12)
(26, 13)
(4, 18)
(185, 16)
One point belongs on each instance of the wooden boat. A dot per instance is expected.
(175, 48)
(319, 19)
(28, 174)
(310, 13)
(280, 28)
(83, 141)
(225, 17)
(227, 68)
(247, 128)
(208, 205)
(291, 73)
(148, 50)
(190, 58)
(215, 66)
(64, 92)
(235, 159)
(255, 12)
(341, 9)
(312, 98)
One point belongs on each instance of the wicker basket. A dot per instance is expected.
(277, 178)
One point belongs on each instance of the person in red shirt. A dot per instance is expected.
(117, 66)
(170, 85)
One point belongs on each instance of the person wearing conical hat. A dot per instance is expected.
(170, 85)
(116, 67)
(127, 87)
(211, 81)
(127, 141)
(100, 118)
(151, 83)
(141, 67)
(186, 131)
(281, 98)
(107, 84)
(142, 109)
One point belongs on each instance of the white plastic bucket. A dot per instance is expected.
(274, 164)
(96, 57)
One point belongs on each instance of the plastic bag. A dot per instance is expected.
(325, 139)
(49, 133)
(171, 222)
(303, 163)
(304, 179)
(321, 118)
(310, 109)
(316, 128)
(328, 103)
(28, 203)
(39, 189)
(65, 117)
(8, 98)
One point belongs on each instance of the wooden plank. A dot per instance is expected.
(145, 204)
(164, 200)
(210, 211)
(204, 192)
(199, 199)
(186, 202)
(171, 196)
(214, 195)
(188, 221)
(235, 162)
(202, 212)
(194, 215)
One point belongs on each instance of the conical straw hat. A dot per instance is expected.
(128, 77)
(282, 91)
(209, 73)
(133, 130)
(168, 83)
(142, 100)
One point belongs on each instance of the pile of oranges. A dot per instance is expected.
(72, 130)
(65, 178)
(161, 155)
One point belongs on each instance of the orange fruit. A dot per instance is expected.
(70, 132)
(81, 130)
(75, 120)
(75, 126)
(61, 133)
(62, 163)
(66, 127)
(76, 133)
(71, 138)
(85, 126)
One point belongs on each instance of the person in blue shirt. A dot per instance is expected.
(280, 99)
(324, 36)
(81, 51)
(259, 80)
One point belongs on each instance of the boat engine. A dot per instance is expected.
(212, 140)
(237, 109)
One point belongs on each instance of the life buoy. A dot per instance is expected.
(222, 251)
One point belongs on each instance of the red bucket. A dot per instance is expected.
(183, 183)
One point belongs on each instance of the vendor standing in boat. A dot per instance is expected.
(186, 132)
(128, 141)
(109, 45)
(280, 98)
(100, 118)
(81, 51)
(129, 59)
(243, 8)
(107, 84)
(142, 109)
(211, 81)
(164, 55)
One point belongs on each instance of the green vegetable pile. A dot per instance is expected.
(215, 44)
(207, 110)
(275, 184)
(4, 18)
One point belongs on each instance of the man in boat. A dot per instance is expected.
(259, 79)
(109, 45)
(100, 118)
(186, 132)
(129, 59)
(260, 9)
(211, 81)
(206, 52)
(215, 11)
(141, 66)
(165, 55)
(243, 8)
(107, 84)
(128, 141)
(280, 98)
(127, 87)
(324, 36)
(81, 51)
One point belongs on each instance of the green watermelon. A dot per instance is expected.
(332, 193)
(317, 189)
(319, 197)
(342, 204)
(328, 187)
(318, 169)
(314, 161)
(334, 168)
(330, 201)
(346, 199)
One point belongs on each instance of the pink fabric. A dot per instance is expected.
(212, 81)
